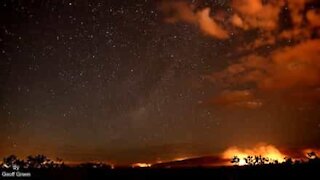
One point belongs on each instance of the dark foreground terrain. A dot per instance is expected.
(303, 171)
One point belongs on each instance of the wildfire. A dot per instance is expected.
(267, 151)
(141, 165)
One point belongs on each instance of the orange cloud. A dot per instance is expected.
(294, 71)
(296, 8)
(265, 39)
(294, 67)
(237, 21)
(209, 26)
(250, 69)
(250, 7)
(238, 98)
(255, 14)
(291, 71)
(301, 29)
(181, 11)
(313, 17)
(264, 16)
(297, 34)
(248, 15)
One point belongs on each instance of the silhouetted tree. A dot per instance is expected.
(259, 160)
(288, 161)
(235, 160)
(9, 161)
(59, 163)
(249, 160)
(297, 162)
(12, 160)
(265, 160)
(39, 161)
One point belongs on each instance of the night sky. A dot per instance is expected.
(127, 81)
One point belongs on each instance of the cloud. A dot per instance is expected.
(237, 21)
(251, 68)
(246, 15)
(296, 10)
(265, 15)
(176, 11)
(237, 98)
(293, 71)
(290, 70)
(249, 7)
(255, 14)
(301, 30)
(296, 67)
(313, 17)
(295, 34)
(209, 26)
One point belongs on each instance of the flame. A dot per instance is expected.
(141, 165)
(267, 151)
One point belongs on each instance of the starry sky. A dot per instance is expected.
(147, 80)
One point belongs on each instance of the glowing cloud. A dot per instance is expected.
(293, 72)
(238, 98)
(209, 25)
(313, 17)
(176, 11)
(256, 14)
(289, 71)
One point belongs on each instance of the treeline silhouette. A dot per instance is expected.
(255, 167)
(43, 162)
(32, 162)
(312, 158)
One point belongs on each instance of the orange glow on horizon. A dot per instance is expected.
(181, 158)
(141, 165)
(267, 151)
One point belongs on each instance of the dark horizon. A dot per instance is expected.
(209, 160)
(158, 80)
